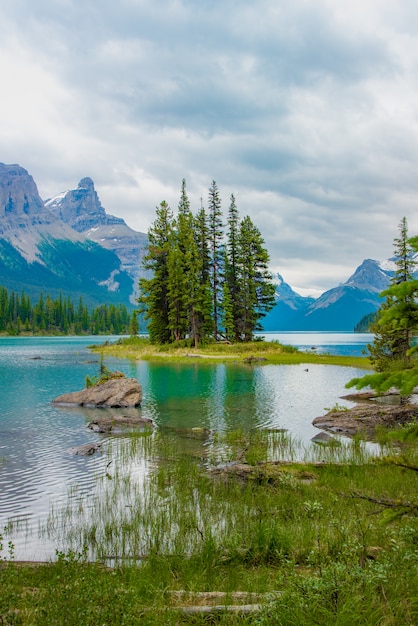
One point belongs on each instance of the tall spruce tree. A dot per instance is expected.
(153, 292)
(232, 282)
(215, 238)
(256, 287)
(396, 322)
(178, 272)
(204, 323)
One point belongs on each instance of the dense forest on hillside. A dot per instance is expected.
(60, 316)
(363, 326)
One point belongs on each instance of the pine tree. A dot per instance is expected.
(396, 322)
(232, 281)
(215, 238)
(203, 311)
(256, 287)
(153, 296)
(180, 274)
(134, 326)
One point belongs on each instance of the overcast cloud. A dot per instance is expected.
(306, 110)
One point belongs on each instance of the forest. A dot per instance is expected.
(60, 316)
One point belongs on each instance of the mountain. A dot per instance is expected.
(82, 210)
(289, 307)
(40, 252)
(70, 243)
(338, 309)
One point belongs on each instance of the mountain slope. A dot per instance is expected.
(39, 252)
(82, 210)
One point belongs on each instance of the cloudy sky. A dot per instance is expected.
(306, 110)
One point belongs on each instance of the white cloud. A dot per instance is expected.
(305, 111)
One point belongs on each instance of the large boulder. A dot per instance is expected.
(116, 392)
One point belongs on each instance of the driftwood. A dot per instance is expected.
(403, 506)
(209, 602)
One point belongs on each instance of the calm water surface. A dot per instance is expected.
(37, 471)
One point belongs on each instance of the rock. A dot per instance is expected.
(85, 450)
(364, 417)
(116, 392)
(325, 439)
(119, 423)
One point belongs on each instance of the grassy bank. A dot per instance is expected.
(259, 351)
(314, 542)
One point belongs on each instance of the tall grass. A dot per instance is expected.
(233, 516)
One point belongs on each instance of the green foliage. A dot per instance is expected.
(203, 287)
(153, 299)
(392, 352)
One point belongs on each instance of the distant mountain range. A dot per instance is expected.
(70, 243)
(338, 309)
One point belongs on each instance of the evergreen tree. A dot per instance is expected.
(203, 263)
(215, 239)
(392, 352)
(134, 326)
(231, 279)
(180, 273)
(153, 297)
(256, 287)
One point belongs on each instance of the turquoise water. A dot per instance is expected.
(37, 471)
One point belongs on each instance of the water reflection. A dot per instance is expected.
(36, 470)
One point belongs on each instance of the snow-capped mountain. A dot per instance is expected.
(82, 210)
(40, 252)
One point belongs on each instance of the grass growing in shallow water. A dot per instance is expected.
(169, 520)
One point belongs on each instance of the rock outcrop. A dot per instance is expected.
(116, 392)
(364, 417)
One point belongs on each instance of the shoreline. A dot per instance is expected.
(254, 353)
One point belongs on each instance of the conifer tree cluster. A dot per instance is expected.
(210, 281)
(393, 352)
(59, 316)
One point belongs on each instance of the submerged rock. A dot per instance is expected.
(85, 450)
(116, 392)
(325, 439)
(119, 424)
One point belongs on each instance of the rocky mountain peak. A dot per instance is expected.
(86, 183)
(81, 208)
(370, 276)
(19, 194)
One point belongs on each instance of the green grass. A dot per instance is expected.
(166, 521)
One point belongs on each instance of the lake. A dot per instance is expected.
(37, 471)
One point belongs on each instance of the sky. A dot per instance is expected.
(305, 110)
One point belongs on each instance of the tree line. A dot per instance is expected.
(61, 316)
(210, 280)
